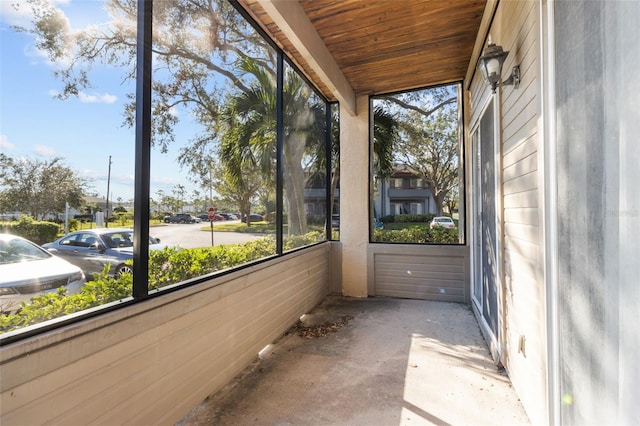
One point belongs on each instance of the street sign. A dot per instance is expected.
(212, 213)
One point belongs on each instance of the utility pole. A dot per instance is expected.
(106, 214)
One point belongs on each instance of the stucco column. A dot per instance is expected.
(354, 197)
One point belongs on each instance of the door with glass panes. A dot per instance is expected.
(485, 243)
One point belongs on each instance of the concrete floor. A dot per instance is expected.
(375, 361)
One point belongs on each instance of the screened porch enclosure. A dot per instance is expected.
(297, 121)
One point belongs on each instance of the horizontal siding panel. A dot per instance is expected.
(523, 272)
(523, 47)
(523, 183)
(418, 261)
(519, 231)
(395, 268)
(522, 167)
(526, 147)
(434, 280)
(524, 249)
(521, 199)
(522, 127)
(526, 216)
(440, 273)
(526, 133)
(171, 354)
(116, 382)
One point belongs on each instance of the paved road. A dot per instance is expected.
(192, 235)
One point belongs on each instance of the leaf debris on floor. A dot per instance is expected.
(319, 330)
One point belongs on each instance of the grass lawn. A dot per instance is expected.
(256, 227)
(395, 226)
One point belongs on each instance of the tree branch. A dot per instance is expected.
(426, 113)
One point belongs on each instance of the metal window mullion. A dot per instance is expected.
(142, 151)
(279, 152)
(328, 156)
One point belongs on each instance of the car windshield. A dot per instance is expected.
(14, 250)
(118, 239)
(122, 239)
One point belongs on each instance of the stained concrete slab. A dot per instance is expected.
(374, 361)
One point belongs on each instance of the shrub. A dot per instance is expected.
(406, 218)
(103, 289)
(417, 234)
(166, 267)
(39, 232)
(316, 220)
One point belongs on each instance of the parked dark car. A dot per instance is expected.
(205, 217)
(181, 218)
(253, 217)
(26, 270)
(92, 249)
(229, 216)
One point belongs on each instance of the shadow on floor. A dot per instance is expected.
(374, 361)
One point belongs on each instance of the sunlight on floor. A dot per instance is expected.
(447, 383)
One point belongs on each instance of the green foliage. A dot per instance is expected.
(166, 267)
(35, 231)
(73, 225)
(124, 218)
(316, 220)
(103, 289)
(417, 234)
(406, 218)
(295, 241)
(428, 141)
(38, 187)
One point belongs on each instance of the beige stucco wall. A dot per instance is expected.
(354, 197)
(152, 362)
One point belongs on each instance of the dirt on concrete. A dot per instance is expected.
(374, 361)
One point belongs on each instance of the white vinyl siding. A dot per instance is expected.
(516, 28)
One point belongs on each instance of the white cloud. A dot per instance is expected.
(44, 151)
(5, 145)
(173, 111)
(15, 12)
(104, 98)
(98, 98)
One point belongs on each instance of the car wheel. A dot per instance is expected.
(123, 269)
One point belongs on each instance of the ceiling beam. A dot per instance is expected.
(290, 17)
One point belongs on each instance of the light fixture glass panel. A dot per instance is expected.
(493, 68)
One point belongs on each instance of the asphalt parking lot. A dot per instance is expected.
(192, 235)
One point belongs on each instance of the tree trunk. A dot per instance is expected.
(294, 185)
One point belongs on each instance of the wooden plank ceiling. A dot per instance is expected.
(385, 46)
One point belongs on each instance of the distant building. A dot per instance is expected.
(405, 192)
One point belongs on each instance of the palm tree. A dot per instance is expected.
(250, 137)
(385, 135)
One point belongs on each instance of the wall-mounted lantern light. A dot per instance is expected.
(490, 64)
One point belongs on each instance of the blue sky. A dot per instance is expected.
(86, 130)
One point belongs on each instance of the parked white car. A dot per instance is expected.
(442, 221)
(27, 270)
